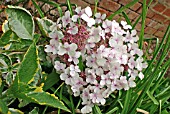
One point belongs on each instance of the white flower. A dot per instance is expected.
(79, 13)
(139, 64)
(116, 28)
(124, 82)
(100, 61)
(107, 25)
(74, 57)
(78, 84)
(115, 85)
(131, 82)
(125, 26)
(86, 109)
(91, 61)
(141, 76)
(67, 48)
(91, 79)
(59, 66)
(85, 95)
(97, 98)
(73, 29)
(87, 16)
(94, 35)
(51, 48)
(66, 19)
(103, 51)
(131, 37)
(131, 63)
(74, 70)
(122, 58)
(117, 69)
(56, 35)
(66, 77)
(99, 17)
(105, 80)
(132, 73)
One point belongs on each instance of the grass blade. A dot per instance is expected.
(122, 9)
(127, 18)
(141, 37)
(38, 9)
(113, 110)
(70, 7)
(127, 102)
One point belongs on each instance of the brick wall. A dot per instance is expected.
(157, 20)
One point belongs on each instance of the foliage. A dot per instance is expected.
(29, 84)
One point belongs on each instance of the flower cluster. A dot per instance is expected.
(95, 56)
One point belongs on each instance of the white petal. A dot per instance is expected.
(98, 15)
(141, 76)
(88, 11)
(78, 9)
(61, 51)
(74, 18)
(63, 76)
(103, 16)
(91, 22)
(101, 61)
(85, 17)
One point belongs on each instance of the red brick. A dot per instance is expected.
(140, 10)
(116, 17)
(136, 6)
(152, 23)
(109, 5)
(150, 13)
(162, 28)
(124, 2)
(127, 11)
(167, 22)
(132, 15)
(159, 34)
(159, 18)
(147, 21)
(138, 27)
(90, 1)
(150, 30)
(78, 2)
(101, 10)
(167, 3)
(159, 7)
(167, 12)
(157, 26)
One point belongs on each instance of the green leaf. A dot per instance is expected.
(9, 78)
(21, 22)
(5, 26)
(52, 79)
(15, 111)
(3, 107)
(6, 37)
(45, 25)
(113, 110)
(5, 60)
(97, 109)
(34, 111)
(45, 98)
(29, 65)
